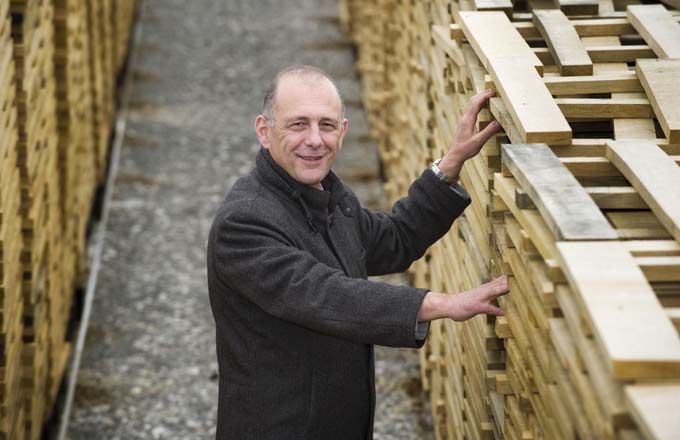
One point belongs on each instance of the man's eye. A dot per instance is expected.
(328, 126)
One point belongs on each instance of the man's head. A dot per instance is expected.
(302, 123)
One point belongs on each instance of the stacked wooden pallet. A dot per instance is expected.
(575, 201)
(50, 162)
(12, 305)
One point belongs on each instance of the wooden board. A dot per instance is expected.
(654, 175)
(655, 408)
(618, 299)
(658, 28)
(533, 109)
(659, 78)
(568, 210)
(564, 43)
(492, 35)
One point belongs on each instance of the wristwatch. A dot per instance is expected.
(441, 176)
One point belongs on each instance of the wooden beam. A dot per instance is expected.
(589, 27)
(504, 6)
(491, 34)
(628, 322)
(574, 85)
(564, 43)
(659, 79)
(658, 28)
(655, 409)
(654, 175)
(578, 7)
(605, 108)
(566, 207)
(531, 106)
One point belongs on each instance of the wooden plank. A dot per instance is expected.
(566, 207)
(564, 43)
(531, 106)
(605, 108)
(629, 323)
(588, 27)
(578, 7)
(659, 79)
(491, 34)
(657, 27)
(494, 5)
(655, 409)
(654, 175)
(575, 85)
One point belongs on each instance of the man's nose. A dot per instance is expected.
(314, 136)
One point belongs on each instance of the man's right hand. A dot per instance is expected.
(464, 305)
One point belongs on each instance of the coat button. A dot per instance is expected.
(348, 210)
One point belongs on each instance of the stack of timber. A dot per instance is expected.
(51, 161)
(575, 201)
(12, 305)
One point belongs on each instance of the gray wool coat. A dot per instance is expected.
(296, 318)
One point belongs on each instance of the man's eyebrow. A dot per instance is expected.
(296, 118)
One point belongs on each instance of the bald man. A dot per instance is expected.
(289, 254)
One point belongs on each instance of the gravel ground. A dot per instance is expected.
(149, 369)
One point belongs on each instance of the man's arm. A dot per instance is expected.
(464, 305)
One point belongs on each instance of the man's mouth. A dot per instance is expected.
(310, 158)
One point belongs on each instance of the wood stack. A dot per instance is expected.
(11, 398)
(100, 36)
(576, 201)
(51, 161)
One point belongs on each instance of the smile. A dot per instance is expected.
(310, 158)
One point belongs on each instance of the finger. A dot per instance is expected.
(493, 310)
(479, 101)
(484, 135)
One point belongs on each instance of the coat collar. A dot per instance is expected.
(317, 205)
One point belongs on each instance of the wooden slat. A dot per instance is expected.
(605, 108)
(629, 323)
(658, 28)
(568, 210)
(578, 7)
(494, 5)
(531, 106)
(491, 34)
(654, 175)
(655, 409)
(659, 79)
(564, 43)
(574, 85)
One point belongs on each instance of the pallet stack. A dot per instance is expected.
(576, 201)
(50, 165)
(12, 405)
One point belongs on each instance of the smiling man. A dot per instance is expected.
(289, 254)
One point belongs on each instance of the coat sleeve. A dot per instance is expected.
(393, 241)
(254, 258)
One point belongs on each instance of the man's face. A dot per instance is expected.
(307, 130)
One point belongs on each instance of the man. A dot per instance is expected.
(288, 256)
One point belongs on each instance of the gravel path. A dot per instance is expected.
(149, 369)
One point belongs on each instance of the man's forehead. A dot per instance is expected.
(300, 90)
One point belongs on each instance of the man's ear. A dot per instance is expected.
(343, 131)
(262, 131)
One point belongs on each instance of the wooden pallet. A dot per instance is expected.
(551, 368)
(55, 123)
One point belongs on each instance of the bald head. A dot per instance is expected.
(308, 74)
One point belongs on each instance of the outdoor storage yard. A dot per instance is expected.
(577, 201)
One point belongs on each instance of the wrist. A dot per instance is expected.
(450, 165)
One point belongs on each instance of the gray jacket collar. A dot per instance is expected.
(317, 205)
